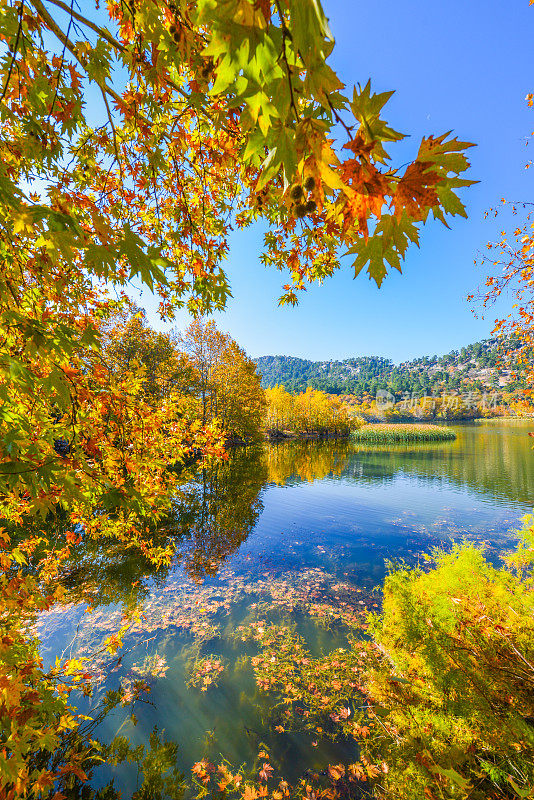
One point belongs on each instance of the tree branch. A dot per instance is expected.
(103, 32)
(71, 47)
(16, 47)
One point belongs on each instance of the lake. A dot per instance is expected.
(300, 532)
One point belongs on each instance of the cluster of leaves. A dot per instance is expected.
(206, 108)
(336, 781)
(312, 412)
(458, 689)
(317, 694)
(109, 450)
(206, 672)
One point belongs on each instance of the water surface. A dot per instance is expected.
(300, 532)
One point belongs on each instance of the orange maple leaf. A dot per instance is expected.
(415, 193)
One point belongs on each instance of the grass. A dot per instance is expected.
(398, 432)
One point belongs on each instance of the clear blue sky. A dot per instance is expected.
(458, 65)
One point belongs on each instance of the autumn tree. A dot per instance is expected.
(130, 343)
(207, 110)
(510, 261)
(203, 344)
(279, 415)
(240, 397)
(227, 383)
(311, 411)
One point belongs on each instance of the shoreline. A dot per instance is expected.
(281, 436)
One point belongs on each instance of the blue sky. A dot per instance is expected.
(458, 65)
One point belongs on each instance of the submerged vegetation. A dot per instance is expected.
(382, 433)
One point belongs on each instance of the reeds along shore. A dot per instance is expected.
(384, 433)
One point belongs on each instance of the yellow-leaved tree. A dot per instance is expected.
(226, 381)
(311, 412)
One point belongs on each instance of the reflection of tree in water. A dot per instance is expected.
(218, 508)
(213, 514)
(490, 458)
(292, 462)
(216, 511)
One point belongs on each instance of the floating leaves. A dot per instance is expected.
(206, 672)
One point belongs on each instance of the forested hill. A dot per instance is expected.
(473, 367)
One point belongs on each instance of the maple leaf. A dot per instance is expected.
(336, 771)
(249, 793)
(415, 193)
(266, 771)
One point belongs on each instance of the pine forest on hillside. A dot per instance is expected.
(482, 367)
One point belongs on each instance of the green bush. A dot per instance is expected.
(453, 681)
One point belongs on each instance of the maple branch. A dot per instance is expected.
(71, 47)
(60, 69)
(339, 119)
(15, 48)
(110, 118)
(103, 32)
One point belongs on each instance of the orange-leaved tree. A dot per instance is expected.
(511, 264)
(132, 141)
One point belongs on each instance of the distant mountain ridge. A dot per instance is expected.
(474, 367)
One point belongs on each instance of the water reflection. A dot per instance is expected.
(298, 530)
(491, 458)
(211, 516)
(293, 462)
(216, 511)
